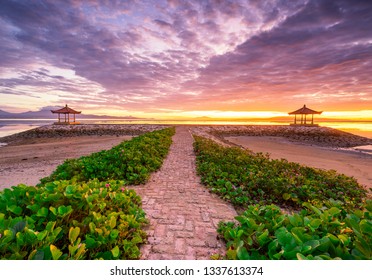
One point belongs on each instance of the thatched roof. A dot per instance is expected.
(65, 110)
(305, 111)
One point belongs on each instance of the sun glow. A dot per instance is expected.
(233, 114)
(365, 115)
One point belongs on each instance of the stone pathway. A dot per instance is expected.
(183, 215)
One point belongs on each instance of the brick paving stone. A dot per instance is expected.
(183, 215)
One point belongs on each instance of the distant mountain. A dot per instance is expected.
(4, 114)
(45, 113)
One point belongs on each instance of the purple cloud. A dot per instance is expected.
(180, 55)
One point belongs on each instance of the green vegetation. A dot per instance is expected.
(131, 161)
(333, 219)
(243, 178)
(83, 210)
(67, 220)
(264, 232)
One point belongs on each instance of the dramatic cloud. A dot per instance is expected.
(175, 55)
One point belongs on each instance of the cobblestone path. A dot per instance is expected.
(183, 215)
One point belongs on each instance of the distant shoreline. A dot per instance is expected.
(10, 127)
(321, 136)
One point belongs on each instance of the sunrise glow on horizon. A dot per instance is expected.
(179, 59)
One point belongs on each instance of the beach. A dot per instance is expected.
(354, 164)
(34, 154)
(32, 159)
(319, 147)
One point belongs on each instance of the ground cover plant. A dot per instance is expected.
(243, 178)
(131, 161)
(315, 233)
(83, 210)
(70, 220)
(331, 220)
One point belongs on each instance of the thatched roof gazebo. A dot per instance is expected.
(304, 111)
(66, 111)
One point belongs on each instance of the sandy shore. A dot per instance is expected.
(32, 159)
(353, 164)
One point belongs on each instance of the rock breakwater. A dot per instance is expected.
(320, 136)
(56, 131)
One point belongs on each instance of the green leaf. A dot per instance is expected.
(263, 238)
(286, 196)
(366, 227)
(90, 242)
(53, 210)
(41, 235)
(50, 226)
(313, 244)
(42, 212)
(80, 252)
(56, 253)
(313, 208)
(295, 220)
(315, 223)
(344, 239)
(283, 236)
(364, 247)
(353, 222)
(298, 234)
(114, 234)
(70, 190)
(113, 222)
(301, 257)
(73, 234)
(115, 252)
(64, 211)
(335, 241)
(334, 211)
(15, 209)
(34, 207)
(242, 253)
(92, 227)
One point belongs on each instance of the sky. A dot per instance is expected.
(175, 58)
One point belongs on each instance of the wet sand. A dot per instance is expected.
(32, 159)
(353, 164)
